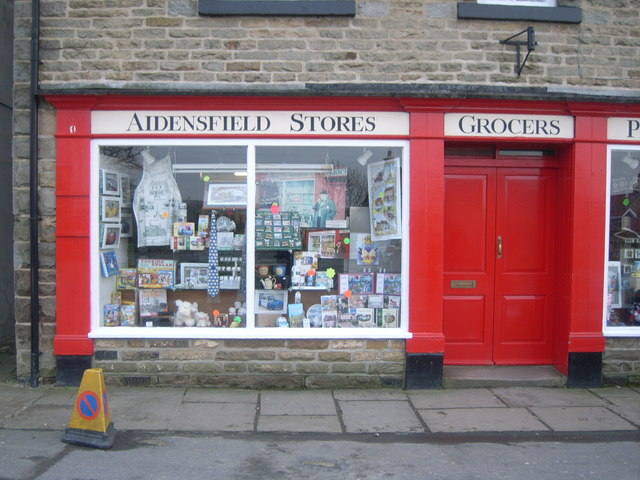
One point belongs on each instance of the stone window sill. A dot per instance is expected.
(505, 12)
(277, 7)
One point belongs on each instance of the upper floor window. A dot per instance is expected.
(277, 7)
(521, 3)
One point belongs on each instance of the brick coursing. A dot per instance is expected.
(253, 363)
(621, 361)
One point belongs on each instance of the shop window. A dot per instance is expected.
(523, 10)
(622, 283)
(197, 238)
(521, 3)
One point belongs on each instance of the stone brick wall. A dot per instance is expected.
(165, 44)
(286, 364)
(621, 361)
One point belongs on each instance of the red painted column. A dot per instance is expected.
(73, 299)
(426, 233)
(587, 235)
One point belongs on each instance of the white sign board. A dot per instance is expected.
(195, 122)
(490, 125)
(623, 128)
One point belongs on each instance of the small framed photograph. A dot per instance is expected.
(614, 299)
(126, 225)
(109, 182)
(225, 195)
(110, 209)
(184, 229)
(110, 235)
(125, 189)
(194, 275)
(271, 301)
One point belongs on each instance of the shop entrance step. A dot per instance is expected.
(502, 376)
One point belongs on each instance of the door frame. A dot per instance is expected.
(515, 160)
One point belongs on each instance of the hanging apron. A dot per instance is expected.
(155, 202)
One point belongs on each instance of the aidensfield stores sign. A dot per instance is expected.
(489, 125)
(248, 123)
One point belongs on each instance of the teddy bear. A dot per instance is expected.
(202, 319)
(185, 315)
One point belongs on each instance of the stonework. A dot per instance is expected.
(163, 46)
(621, 361)
(253, 363)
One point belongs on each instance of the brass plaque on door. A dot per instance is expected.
(463, 284)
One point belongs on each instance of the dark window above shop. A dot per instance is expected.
(277, 7)
(486, 11)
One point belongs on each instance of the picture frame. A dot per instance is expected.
(614, 281)
(194, 276)
(184, 229)
(271, 301)
(110, 234)
(126, 225)
(224, 195)
(125, 189)
(109, 182)
(110, 209)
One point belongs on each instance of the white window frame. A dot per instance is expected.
(609, 331)
(520, 3)
(250, 332)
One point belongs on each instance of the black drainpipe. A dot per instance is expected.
(33, 194)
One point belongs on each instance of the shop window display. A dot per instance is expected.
(622, 283)
(250, 236)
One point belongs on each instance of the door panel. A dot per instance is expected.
(468, 257)
(498, 302)
(524, 285)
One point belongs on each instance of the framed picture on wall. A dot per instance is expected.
(225, 195)
(110, 235)
(109, 182)
(193, 275)
(614, 279)
(110, 208)
(271, 301)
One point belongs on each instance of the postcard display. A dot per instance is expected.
(319, 261)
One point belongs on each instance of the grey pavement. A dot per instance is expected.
(533, 410)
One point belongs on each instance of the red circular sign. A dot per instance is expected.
(88, 405)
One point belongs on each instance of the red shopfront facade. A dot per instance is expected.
(503, 206)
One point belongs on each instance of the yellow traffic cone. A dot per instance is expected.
(90, 424)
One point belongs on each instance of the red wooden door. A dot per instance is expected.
(498, 265)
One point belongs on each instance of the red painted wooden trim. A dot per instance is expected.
(72, 345)
(427, 234)
(73, 259)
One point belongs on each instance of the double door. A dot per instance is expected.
(499, 259)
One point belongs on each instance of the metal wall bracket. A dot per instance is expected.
(530, 43)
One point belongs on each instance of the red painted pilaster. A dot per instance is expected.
(73, 302)
(427, 234)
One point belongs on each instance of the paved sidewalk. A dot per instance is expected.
(505, 410)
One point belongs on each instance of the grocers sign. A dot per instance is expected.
(248, 123)
(528, 126)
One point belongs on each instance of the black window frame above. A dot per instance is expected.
(475, 11)
(277, 7)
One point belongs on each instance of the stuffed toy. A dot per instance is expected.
(185, 315)
(202, 319)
